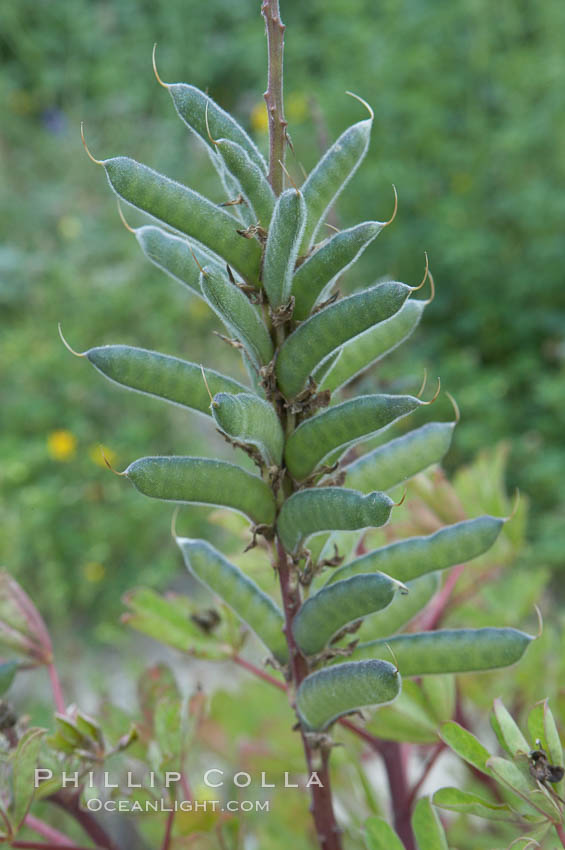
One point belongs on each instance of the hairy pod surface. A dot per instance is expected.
(161, 376)
(185, 210)
(196, 108)
(250, 419)
(451, 650)
(237, 590)
(341, 426)
(416, 556)
(203, 481)
(173, 255)
(238, 314)
(328, 694)
(401, 458)
(335, 606)
(403, 608)
(331, 174)
(372, 345)
(329, 509)
(322, 333)
(251, 179)
(315, 276)
(283, 242)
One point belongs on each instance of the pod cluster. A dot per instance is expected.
(266, 266)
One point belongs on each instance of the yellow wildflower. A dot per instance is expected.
(259, 118)
(94, 572)
(61, 444)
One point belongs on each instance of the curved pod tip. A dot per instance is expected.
(66, 344)
(123, 474)
(94, 160)
(123, 220)
(364, 102)
(155, 71)
(395, 210)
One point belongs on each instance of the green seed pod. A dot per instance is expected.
(403, 608)
(238, 314)
(322, 333)
(250, 419)
(237, 590)
(328, 694)
(342, 426)
(332, 174)
(281, 250)
(159, 375)
(205, 118)
(173, 255)
(184, 210)
(315, 277)
(254, 185)
(416, 556)
(401, 458)
(450, 650)
(329, 509)
(204, 481)
(326, 612)
(372, 345)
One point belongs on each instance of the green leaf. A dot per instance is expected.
(514, 741)
(466, 803)
(467, 747)
(167, 621)
(427, 827)
(542, 727)
(8, 671)
(380, 836)
(24, 764)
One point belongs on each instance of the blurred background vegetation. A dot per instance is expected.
(469, 126)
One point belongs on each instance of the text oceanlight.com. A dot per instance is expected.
(97, 805)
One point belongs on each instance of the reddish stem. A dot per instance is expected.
(395, 757)
(433, 757)
(168, 831)
(56, 688)
(47, 831)
(560, 832)
(327, 829)
(434, 613)
(261, 674)
(274, 94)
(70, 803)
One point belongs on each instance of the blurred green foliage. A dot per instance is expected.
(468, 126)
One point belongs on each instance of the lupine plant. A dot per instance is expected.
(266, 264)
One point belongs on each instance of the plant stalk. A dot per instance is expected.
(47, 831)
(274, 93)
(70, 803)
(327, 829)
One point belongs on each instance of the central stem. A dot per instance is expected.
(327, 829)
(317, 758)
(274, 94)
